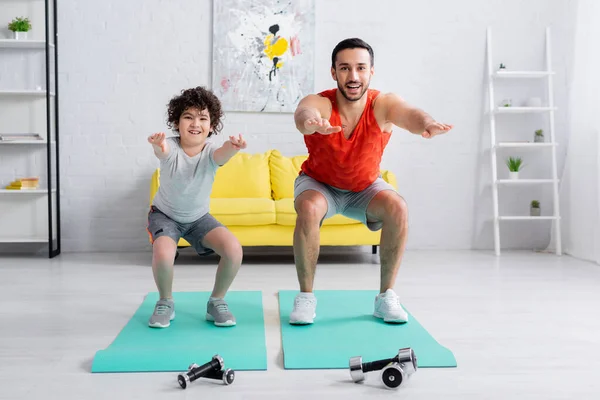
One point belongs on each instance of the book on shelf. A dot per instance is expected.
(24, 184)
(20, 136)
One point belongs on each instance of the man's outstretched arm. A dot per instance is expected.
(309, 116)
(405, 116)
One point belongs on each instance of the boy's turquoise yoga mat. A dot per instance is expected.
(190, 338)
(345, 327)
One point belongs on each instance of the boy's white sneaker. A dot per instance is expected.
(305, 305)
(388, 308)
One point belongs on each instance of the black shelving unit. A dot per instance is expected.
(52, 35)
(21, 210)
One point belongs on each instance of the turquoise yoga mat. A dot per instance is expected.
(190, 338)
(345, 327)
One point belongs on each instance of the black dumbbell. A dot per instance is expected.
(225, 375)
(195, 371)
(405, 362)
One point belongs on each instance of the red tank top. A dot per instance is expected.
(348, 164)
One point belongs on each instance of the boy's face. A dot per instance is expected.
(194, 126)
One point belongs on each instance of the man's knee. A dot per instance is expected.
(311, 206)
(395, 208)
(399, 209)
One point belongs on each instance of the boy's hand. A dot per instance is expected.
(158, 139)
(237, 143)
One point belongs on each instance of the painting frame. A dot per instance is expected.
(263, 54)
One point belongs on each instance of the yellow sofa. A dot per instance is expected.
(253, 195)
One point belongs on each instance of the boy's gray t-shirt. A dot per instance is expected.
(186, 182)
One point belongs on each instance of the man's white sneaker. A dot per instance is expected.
(305, 305)
(388, 308)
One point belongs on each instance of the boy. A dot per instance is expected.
(188, 164)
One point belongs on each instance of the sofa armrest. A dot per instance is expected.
(390, 178)
(154, 184)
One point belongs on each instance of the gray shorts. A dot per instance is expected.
(159, 224)
(350, 204)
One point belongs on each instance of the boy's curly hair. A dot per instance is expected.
(199, 98)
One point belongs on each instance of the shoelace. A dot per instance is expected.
(162, 309)
(391, 301)
(302, 302)
(221, 308)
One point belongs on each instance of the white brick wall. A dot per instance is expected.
(120, 62)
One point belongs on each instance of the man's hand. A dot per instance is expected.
(321, 125)
(158, 139)
(236, 143)
(435, 128)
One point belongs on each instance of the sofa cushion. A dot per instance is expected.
(243, 211)
(284, 171)
(286, 215)
(244, 176)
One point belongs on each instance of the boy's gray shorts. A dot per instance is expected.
(159, 224)
(350, 204)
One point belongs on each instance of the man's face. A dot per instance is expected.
(194, 126)
(353, 71)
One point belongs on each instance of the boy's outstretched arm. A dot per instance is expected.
(229, 149)
(159, 144)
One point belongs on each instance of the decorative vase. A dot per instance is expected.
(535, 211)
(513, 174)
(20, 35)
(538, 139)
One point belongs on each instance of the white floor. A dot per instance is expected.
(523, 326)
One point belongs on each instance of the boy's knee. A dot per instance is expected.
(164, 249)
(233, 252)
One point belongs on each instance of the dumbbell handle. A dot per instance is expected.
(203, 369)
(377, 365)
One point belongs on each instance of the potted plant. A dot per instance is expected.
(539, 136)
(502, 66)
(514, 165)
(20, 26)
(535, 210)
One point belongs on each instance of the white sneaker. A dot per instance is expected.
(387, 307)
(305, 305)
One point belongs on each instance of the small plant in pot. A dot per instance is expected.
(539, 136)
(535, 210)
(514, 165)
(20, 26)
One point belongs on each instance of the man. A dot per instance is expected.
(345, 131)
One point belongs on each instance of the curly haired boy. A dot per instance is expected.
(180, 209)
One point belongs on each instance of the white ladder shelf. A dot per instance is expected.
(495, 110)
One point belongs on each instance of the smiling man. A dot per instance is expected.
(346, 131)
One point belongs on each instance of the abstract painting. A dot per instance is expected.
(263, 54)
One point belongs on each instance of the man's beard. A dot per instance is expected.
(358, 97)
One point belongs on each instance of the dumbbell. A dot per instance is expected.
(194, 371)
(394, 370)
(225, 375)
(392, 375)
